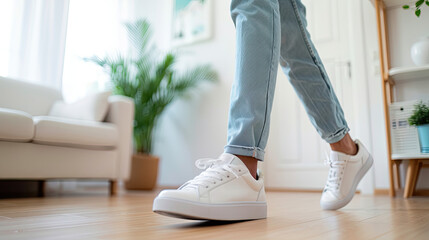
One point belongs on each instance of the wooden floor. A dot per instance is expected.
(290, 216)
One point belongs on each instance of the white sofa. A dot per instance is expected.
(34, 146)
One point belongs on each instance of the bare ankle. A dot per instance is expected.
(345, 145)
(251, 164)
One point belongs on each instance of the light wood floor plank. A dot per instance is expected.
(290, 215)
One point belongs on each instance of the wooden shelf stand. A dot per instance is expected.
(389, 77)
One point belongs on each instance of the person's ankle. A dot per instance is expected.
(251, 164)
(345, 145)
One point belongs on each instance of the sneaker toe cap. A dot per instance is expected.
(179, 194)
(328, 196)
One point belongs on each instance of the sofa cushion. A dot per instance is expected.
(71, 132)
(92, 107)
(16, 125)
(31, 98)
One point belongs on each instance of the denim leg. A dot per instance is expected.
(301, 63)
(257, 25)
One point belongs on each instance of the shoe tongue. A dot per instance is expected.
(231, 159)
(335, 156)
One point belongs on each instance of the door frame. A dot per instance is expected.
(361, 101)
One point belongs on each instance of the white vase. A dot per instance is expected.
(420, 51)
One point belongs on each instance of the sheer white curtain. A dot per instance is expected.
(6, 17)
(95, 28)
(37, 40)
(45, 41)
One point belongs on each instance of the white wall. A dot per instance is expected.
(195, 127)
(378, 136)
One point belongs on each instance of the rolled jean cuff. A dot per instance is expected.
(255, 152)
(338, 135)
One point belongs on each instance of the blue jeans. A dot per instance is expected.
(269, 32)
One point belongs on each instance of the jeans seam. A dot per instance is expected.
(301, 26)
(309, 49)
(269, 81)
(244, 147)
(342, 131)
(256, 152)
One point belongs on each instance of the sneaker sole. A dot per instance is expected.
(351, 193)
(236, 211)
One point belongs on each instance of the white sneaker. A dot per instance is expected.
(344, 175)
(224, 191)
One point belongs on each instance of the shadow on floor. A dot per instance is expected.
(204, 224)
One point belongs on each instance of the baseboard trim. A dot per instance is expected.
(421, 192)
(381, 191)
(160, 188)
(385, 191)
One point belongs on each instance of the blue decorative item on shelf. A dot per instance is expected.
(424, 137)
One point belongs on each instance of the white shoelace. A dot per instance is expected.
(336, 172)
(217, 170)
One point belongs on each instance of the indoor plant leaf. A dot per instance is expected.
(151, 81)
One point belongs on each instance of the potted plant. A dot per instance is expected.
(153, 82)
(420, 118)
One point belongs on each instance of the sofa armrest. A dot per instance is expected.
(121, 113)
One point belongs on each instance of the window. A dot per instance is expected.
(6, 10)
(95, 28)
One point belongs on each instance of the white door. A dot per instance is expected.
(295, 153)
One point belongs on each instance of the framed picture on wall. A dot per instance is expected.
(191, 21)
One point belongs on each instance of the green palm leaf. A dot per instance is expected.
(152, 83)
